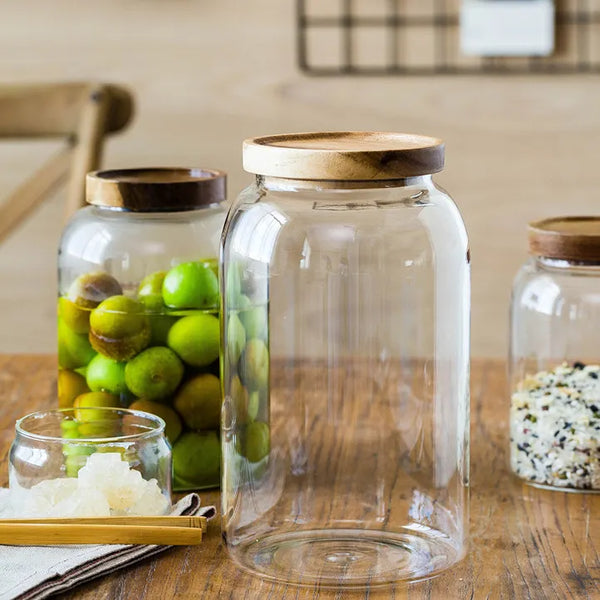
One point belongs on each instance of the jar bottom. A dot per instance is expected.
(556, 488)
(347, 558)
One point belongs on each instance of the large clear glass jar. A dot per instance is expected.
(345, 274)
(138, 307)
(555, 357)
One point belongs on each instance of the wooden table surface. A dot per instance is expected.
(525, 543)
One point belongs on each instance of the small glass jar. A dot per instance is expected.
(138, 306)
(345, 362)
(555, 357)
(90, 462)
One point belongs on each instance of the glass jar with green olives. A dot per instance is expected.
(138, 306)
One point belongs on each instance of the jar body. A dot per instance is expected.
(345, 370)
(120, 340)
(555, 394)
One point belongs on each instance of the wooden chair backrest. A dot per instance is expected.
(81, 113)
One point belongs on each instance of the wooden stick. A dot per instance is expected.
(164, 521)
(47, 534)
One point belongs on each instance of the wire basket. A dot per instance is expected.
(421, 37)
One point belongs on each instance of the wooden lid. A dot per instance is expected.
(156, 189)
(344, 155)
(566, 238)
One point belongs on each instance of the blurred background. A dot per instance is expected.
(205, 75)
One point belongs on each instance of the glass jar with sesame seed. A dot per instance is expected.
(555, 357)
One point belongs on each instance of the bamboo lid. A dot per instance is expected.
(566, 238)
(156, 189)
(343, 155)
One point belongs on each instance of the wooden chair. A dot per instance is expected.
(81, 113)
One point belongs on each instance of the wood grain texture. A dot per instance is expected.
(566, 238)
(54, 534)
(55, 109)
(82, 114)
(525, 543)
(518, 148)
(343, 155)
(31, 193)
(156, 189)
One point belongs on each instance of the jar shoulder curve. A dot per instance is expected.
(421, 223)
(446, 202)
(540, 291)
(422, 193)
(80, 218)
(114, 224)
(525, 273)
(98, 236)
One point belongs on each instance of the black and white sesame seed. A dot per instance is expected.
(555, 427)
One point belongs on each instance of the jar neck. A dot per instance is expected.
(155, 212)
(291, 185)
(558, 264)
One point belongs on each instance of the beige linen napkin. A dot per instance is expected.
(33, 572)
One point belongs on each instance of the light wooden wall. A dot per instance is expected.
(209, 73)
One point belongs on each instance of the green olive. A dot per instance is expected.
(197, 458)
(255, 441)
(119, 328)
(89, 289)
(254, 365)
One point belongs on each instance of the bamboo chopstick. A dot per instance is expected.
(165, 521)
(43, 534)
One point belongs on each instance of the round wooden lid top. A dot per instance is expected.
(566, 238)
(343, 155)
(157, 189)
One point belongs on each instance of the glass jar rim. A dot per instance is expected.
(291, 184)
(157, 430)
(573, 267)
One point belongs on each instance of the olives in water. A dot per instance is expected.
(246, 404)
(254, 365)
(158, 352)
(154, 374)
(119, 328)
(106, 375)
(74, 349)
(70, 385)
(191, 285)
(196, 339)
(77, 319)
(197, 459)
(254, 321)
(236, 338)
(89, 289)
(199, 402)
(255, 441)
(95, 422)
(150, 291)
(172, 421)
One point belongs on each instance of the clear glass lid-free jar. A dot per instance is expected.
(345, 278)
(89, 462)
(138, 306)
(555, 357)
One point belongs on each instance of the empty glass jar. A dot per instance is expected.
(345, 274)
(555, 357)
(138, 307)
